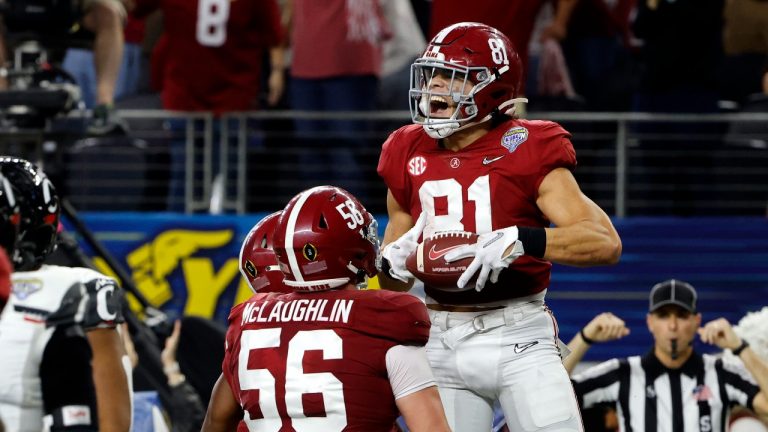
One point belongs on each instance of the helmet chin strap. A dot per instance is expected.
(442, 130)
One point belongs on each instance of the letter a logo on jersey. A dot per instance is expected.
(417, 165)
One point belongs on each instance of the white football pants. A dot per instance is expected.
(510, 355)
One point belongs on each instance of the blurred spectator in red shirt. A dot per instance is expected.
(336, 65)
(209, 58)
(211, 53)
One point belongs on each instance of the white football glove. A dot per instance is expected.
(489, 256)
(397, 251)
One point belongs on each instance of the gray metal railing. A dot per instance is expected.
(630, 163)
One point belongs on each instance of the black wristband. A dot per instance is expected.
(741, 347)
(534, 240)
(585, 338)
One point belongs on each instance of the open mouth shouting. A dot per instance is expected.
(440, 107)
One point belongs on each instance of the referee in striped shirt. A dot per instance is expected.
(672, 388)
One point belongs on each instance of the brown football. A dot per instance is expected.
(427, 263)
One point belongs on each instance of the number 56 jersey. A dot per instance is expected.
(493, 183)
(318, 362)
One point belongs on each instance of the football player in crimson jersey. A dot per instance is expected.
(258, 262)
(259, 267)
(327, 356)
(469, 164)
(63, 362)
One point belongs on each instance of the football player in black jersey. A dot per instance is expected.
(63, 365)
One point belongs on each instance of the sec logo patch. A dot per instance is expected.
(417, 165)
(514, 137)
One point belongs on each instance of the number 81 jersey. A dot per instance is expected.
(493, 183)
(317, 362)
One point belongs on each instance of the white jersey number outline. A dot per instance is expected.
(297, 382)
(212, 17)
(479, 192)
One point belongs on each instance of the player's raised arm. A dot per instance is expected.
(720, 332)
(583, 233)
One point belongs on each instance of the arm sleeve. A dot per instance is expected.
(740, 387)
(268, 23)
(94, 301)
(391, 167)
(599, 384)
(408, 370)
(556, 152)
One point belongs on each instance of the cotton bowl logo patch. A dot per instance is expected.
(514, 137)
(25, 288)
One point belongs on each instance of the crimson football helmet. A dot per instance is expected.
(470, 66)
(10, 218)
(39, 206)
(258, 262)
(325, 239)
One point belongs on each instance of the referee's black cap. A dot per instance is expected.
(673, 292)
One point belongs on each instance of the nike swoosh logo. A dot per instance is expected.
(488, 161)
(436, 254)
(498, 236)
(519, 348)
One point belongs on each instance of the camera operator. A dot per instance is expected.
(105, 18)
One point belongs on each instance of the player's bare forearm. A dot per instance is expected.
(423, 411)
(113, 397)
(223, 411)
(759, 370)
(583, 233)
(585, 243)
(578, 348)
(602, 328)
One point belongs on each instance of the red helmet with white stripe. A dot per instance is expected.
(258, 262)
(468, 71)
(326, 239)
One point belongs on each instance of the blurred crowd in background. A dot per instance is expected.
(596, 55)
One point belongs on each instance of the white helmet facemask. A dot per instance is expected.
(422, 96)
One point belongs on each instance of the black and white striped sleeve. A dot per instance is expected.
(740, 388)
(598, 384)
